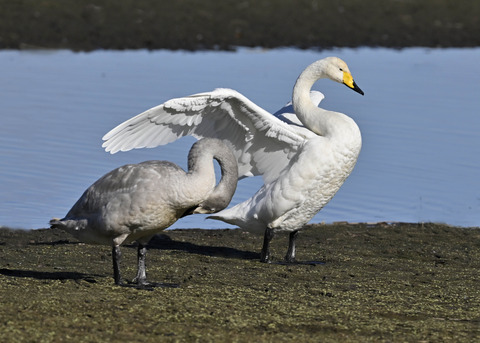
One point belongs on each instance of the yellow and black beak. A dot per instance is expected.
(348, 81)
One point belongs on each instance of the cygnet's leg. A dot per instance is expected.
(116, 255)
(265, 254)
(141, 278)
(290, 257)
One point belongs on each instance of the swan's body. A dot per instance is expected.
(134, 202)
(304, 156)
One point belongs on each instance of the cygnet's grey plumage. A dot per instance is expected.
(136, 201)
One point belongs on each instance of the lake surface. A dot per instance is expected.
(420, 122)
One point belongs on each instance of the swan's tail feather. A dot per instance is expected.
(231, 217)
(231, 221)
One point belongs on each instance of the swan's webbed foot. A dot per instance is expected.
(300, 263)
(265, 254)
(290, 256)
(265, 258)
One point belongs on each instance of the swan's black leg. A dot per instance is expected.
(141, 278)
(116, 255)
(265, 254)
(290, 257)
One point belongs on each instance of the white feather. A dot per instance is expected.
(303, 152)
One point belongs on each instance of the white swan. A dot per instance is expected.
(134, 202)
(304, 157)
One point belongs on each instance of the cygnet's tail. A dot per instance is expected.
(56, 223)
(69, 225)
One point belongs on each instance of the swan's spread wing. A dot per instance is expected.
(287, 115)
(262, 143)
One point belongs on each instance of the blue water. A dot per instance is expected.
(419, 119)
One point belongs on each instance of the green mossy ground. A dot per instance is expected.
(402, 282)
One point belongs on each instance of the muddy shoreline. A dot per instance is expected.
(225, 25)
(375, 283)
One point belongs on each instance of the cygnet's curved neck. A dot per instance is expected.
(200, 165)
(223, 192)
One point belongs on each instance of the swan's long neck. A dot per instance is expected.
(200, 165)
(320, 121)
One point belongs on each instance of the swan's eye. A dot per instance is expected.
(341, 69)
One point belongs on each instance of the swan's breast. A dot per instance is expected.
(312, 179)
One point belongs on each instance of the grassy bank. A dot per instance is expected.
(212, 24)
(400, 282)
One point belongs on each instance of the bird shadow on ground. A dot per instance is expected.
(49, 275)
(164, 242)
(59, 242)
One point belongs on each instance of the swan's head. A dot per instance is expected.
(337, 70)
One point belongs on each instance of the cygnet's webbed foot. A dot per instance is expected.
(149, 286)
(140, 281)
(116, 255)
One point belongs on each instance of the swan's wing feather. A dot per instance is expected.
(262, 143)
(288, 116)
